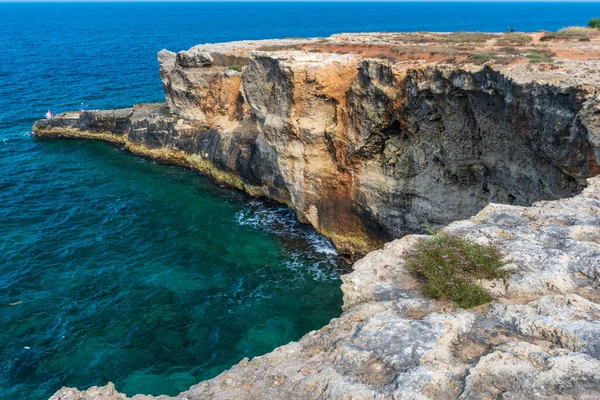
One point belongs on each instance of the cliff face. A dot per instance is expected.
(367, 150)
(368, 142)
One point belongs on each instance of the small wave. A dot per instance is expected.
(282, 221)
(277, 220)
(321, 244)
(310, 252)
(316, 270)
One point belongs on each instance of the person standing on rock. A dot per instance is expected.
(49, 114)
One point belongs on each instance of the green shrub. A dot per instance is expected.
(235, 67)
(594, 23)
(481, 58)
(496, 58)
(449, 265)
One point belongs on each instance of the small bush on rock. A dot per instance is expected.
(235, 67)
(539, 55)
(481, 58)
(449, 267)
(594, 23)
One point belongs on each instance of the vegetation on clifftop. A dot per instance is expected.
(580, 33)
(449, 267)
(505, 55)
(512, 38)
(539, 55)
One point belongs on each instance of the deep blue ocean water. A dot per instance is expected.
(147, 275)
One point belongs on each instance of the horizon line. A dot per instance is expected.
(295, 1)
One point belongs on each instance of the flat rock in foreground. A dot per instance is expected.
(540, 340)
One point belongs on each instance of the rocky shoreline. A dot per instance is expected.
(540, 340)
(369, 143)
(364, 149)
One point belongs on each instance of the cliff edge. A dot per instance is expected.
(370, 137)
(365, 145)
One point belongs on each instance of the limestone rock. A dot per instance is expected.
(193, 59)
(166, 59)
(390, 342)
(369, 149)
(522, 370)
(570, 321)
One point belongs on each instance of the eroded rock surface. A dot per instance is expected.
(368, 149)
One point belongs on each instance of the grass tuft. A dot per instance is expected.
(235, 67)
(580, 33)
(449, 266)
(508, 39)
(539, 55)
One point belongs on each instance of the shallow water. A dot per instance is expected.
(147, 275)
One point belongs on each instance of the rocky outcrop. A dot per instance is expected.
(540, 340)
(368, 149)
(364, 149)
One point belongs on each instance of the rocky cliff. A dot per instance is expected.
(367, 149)
(371, 137)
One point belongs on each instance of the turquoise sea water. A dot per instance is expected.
(142, 274)
(147, 275)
